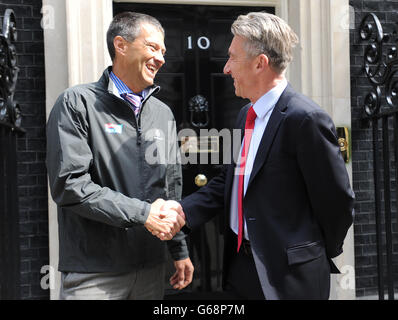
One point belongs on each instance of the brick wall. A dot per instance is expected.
(362, 155)
(32, 180)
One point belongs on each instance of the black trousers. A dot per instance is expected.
(242, 280)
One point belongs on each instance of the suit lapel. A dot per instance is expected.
(240, 124)
(277, 116)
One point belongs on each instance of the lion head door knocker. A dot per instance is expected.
(9, 110)
(199, 111)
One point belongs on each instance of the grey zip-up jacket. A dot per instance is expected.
(105, 167)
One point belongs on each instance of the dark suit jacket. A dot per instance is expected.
(298, 205)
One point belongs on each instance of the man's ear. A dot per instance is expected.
(120, 45)
(262, 62)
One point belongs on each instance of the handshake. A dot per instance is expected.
(165, 219)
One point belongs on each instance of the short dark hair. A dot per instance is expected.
(128, 25)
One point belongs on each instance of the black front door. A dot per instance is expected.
(201, 97)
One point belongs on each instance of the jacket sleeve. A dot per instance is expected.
(326, 179)
(178, 245)
(173, 165)
(69, 158)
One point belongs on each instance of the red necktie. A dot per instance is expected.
(249, 126)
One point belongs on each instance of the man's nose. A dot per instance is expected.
(160, 58)
(227, 70)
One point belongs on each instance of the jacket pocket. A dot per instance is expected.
(304, 252)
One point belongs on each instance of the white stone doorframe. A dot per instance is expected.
(75, 52)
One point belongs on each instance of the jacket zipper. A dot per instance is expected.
(137, 120)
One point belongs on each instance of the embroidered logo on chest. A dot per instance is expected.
(113, 128)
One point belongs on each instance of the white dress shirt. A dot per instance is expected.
(263, 108)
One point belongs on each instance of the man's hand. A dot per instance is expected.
(165, 219)
(173, 205)
(183, 275)
(169, 209)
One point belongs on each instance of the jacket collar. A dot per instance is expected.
(108, 85)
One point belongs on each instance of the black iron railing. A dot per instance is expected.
(381, 110)
(10, 122)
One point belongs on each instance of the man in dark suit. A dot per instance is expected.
(287, 202)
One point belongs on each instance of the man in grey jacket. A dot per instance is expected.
(112, 156)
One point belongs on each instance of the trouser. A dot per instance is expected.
(143, 283)
(242, 280)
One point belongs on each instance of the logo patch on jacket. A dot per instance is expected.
(113, 128)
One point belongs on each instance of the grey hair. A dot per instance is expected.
(128, 26)
(267, 34)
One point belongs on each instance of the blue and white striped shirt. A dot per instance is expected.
(123, 90)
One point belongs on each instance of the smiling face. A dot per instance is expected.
(240, 67)
(144, 57)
